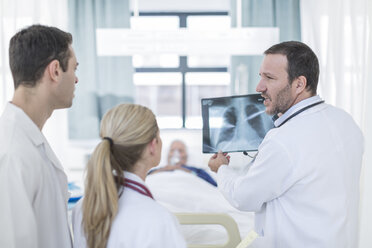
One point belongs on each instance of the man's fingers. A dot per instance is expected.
(228, 158)
(214, 156)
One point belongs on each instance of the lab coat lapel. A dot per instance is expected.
(59, 171)
(52, 157)
(35, 135)
(38, 139)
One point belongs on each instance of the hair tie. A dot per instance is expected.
(110, 140)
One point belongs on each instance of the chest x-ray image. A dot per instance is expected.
(234, 123)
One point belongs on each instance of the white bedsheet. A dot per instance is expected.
(181, 191)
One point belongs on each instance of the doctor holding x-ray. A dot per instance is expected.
(304, 182)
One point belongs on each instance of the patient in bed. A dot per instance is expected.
(174, 187)
(177, 160)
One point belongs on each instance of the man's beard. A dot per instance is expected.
(283, 101)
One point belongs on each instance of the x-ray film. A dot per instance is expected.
(234, 123)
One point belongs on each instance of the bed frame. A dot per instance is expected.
(224, 220)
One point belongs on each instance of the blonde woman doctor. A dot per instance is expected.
(118, 209)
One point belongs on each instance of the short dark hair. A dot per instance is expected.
(302, 61)
(33, 48)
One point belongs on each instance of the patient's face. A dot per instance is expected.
(176, 145)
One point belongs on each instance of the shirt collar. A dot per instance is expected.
(298, 106)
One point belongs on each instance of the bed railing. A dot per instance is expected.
(224, 220)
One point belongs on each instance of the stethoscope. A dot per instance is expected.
(136, 186)
(275, 117)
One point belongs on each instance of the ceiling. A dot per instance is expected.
(181, 5)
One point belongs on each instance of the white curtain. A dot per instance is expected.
(339, 31)
(106, 80)
(15, 15)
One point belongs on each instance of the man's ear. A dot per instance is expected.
(53, 69)
(300, 84)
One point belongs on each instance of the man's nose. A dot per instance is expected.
(260, 86)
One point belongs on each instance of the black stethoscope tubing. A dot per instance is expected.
(299, 111)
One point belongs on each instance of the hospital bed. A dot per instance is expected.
(207, 219)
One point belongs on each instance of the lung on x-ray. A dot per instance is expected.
(234, 123)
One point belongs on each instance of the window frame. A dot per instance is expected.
(183, 67)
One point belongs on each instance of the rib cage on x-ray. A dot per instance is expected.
(240, 124)
(237, 125)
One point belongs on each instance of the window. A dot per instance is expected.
(171, 85)
(9, 27)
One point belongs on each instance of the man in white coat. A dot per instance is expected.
(33, 184)
(304, 182)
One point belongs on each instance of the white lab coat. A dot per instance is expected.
(33, 186)
(304, 183)
(140, 223)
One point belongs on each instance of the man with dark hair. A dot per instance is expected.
(33, 184)
(303, 184)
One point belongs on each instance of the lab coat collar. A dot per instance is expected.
(32, 131)
(303, 104)
(133, 177)
(30, 128)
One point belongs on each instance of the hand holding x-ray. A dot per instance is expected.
(217, 160)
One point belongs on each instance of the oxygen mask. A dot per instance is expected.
(176, 158)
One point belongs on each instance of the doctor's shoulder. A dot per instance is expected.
(155, 219)
(166, 227)
(150, 210)
(19, 157)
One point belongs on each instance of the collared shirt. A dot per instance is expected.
(33, 186)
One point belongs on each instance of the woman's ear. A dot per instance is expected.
(152, 146)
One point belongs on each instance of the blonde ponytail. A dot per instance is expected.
(100, 198)
(128, 128)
